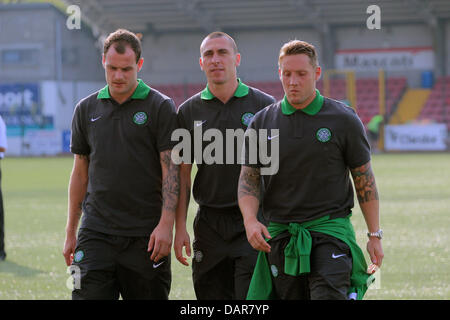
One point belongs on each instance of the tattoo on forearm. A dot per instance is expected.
(249, 182)
(171, 183)
(365, 186)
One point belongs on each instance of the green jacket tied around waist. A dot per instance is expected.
(297, 255)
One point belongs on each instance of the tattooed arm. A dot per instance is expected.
(366, 191)
(181, 235)
(77, 191)
(170, 183)
(249, 198)
(161, 238)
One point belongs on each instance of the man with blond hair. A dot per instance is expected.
(308, 250)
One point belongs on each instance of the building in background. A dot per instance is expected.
(46, 67)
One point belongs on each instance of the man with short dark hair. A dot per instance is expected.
(311, 251)
(223, 260)
(123, 183)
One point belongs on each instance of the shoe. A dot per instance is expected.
(2, 256)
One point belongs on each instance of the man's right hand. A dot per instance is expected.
(69, 247)
(182, 239)
(256, 232)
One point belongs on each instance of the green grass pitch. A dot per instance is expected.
(415, 200)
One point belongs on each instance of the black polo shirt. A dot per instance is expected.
(317, 146)
(215, 185)
(123, 143)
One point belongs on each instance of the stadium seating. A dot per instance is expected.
(366, 88)
(437, 107)
(367, 92)
(176, 91)
(368, 96)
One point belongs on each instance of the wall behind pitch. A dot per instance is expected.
(81, 59)
(30, 31)
(447, 47)
(171, 58)
(60, 98)
(389, 36)
(260, 49)
(53, 51)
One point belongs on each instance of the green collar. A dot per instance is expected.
(141, 91)
(241, 91)
(310, 109)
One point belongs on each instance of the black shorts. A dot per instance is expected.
(223, 261)
(111, 265)
(331, 266)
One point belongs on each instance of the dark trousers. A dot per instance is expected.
(110, 266)
(2, 220)
(331, 266)
(223, 261)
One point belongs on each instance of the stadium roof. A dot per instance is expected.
(163, 16)
(169, 16)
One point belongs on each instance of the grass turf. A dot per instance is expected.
(414, 200)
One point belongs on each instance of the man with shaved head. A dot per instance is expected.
(223, 260)
(309, 250)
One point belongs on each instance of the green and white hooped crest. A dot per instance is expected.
(323, 135)
(140, 118)
(78, 256)
(246, 118)
(274, 270)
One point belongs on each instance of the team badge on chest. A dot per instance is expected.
(140, 118)
(323, 135)
(246, 118)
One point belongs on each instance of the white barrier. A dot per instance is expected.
(430, 137)
(42, 142)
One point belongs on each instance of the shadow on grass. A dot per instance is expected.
(7, 266)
